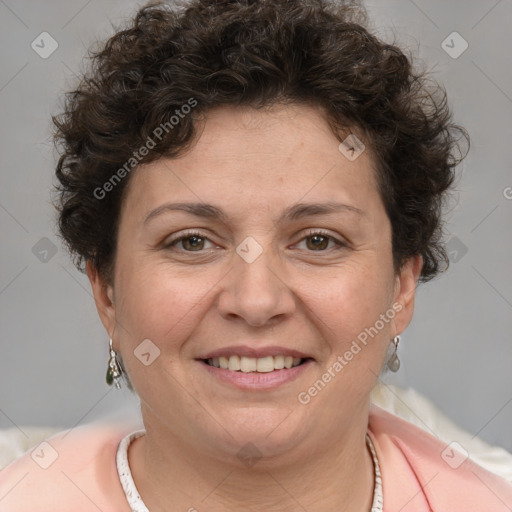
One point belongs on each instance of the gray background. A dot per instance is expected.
(458, 349)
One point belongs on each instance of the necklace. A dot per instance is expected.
(137, 505)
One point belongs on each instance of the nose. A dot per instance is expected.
(256, 291)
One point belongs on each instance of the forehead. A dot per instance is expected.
(257, 159)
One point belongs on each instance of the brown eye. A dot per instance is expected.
(189, 242)
(195, 242)
(318, 242)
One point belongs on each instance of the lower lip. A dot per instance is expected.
(256, 380)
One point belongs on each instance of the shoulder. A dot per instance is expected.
(421, 472)
(74, 469)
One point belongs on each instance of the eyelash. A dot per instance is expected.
(309, 234)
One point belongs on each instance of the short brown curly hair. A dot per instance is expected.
(253, 53)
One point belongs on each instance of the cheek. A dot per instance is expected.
(349, 301)
(153, 306)
(156, 306)
(150, 302)
(164, 303)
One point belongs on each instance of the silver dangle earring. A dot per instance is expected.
(394, 361)
(113, 370)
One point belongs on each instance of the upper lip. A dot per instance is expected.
(243, 350)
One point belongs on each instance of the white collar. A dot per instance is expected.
(137, 505)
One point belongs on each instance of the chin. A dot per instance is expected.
(270, 431)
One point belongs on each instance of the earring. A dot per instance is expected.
(394, 362)
(113, 370)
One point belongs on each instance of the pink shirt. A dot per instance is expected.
(419, 473)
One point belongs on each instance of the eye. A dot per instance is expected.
(319, 240)
(316, 240)
(190, 242)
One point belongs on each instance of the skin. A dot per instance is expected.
(187, 301)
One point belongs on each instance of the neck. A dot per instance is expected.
(167, 470)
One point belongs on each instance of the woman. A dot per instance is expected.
(255, 191)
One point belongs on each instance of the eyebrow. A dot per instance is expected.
(293, 213)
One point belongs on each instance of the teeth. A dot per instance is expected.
(278, 362)
(265, 364)
(234, 363)
(248, 364)
(252, 364)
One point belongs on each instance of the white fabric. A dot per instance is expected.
(405, 403)
(125, 474)
(415, 408)
(378, 496)
(14, 441)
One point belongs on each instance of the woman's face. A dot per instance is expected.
(256, 274)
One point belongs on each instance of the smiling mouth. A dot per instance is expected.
(245, 364)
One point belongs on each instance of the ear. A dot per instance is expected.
(405, 291)
(104, 298)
